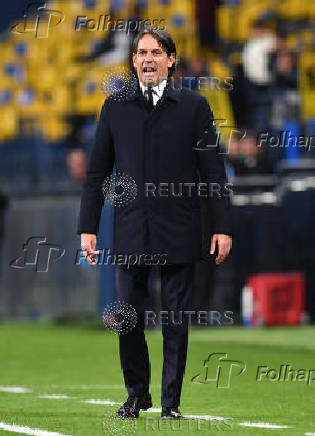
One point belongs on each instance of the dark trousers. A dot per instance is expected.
(176, 290)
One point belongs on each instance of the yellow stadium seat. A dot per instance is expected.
(9, 123)
(226, 22)
(53, 128)
(306, 75)
(245, 16)
(291, 42)
(220, 104)
(306, 37)
(27, 102)
(311, 9)
(293, 9)
(89, 93)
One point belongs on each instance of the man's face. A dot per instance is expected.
(151, 61)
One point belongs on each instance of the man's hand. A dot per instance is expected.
(224, 246)
(76, 161)
(88, 245)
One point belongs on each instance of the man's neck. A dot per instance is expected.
(159, 85)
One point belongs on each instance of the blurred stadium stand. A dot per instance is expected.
(50, 96)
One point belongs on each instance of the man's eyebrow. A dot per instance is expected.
(154, 49)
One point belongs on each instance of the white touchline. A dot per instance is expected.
(157, 410)
(152, 410)
(206, 417)
(108, 402)
(36, 432)
(14, 389)
(203, 417)
(262, 425)
(309, 434)
(28, 430)
(91, 387)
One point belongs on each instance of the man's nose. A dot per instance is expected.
(148, 56)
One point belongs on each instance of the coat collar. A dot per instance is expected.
(169, 92)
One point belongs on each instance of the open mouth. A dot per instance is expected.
(149, 71)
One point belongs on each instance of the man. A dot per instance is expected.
(154, 137)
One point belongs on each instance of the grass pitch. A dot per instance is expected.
(65, 376)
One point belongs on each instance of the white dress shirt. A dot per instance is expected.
(157, 91)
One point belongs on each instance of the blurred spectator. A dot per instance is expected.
(116, 45)
(258, 74)
(3, 205)
(245, 157)
(206, 19)
(77, 162)
(114, 48)
(75, 142)
(285, 104)
(194, 69)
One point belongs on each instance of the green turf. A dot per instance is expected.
(84, 364)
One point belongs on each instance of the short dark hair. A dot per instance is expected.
(163, 38)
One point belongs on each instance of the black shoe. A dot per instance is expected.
(147, 401)
(171, 413)
(131, 408)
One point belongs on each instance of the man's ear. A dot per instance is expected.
(134, 57)
(171, 60)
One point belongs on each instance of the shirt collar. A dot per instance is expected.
(158, 89)
(169, 92)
